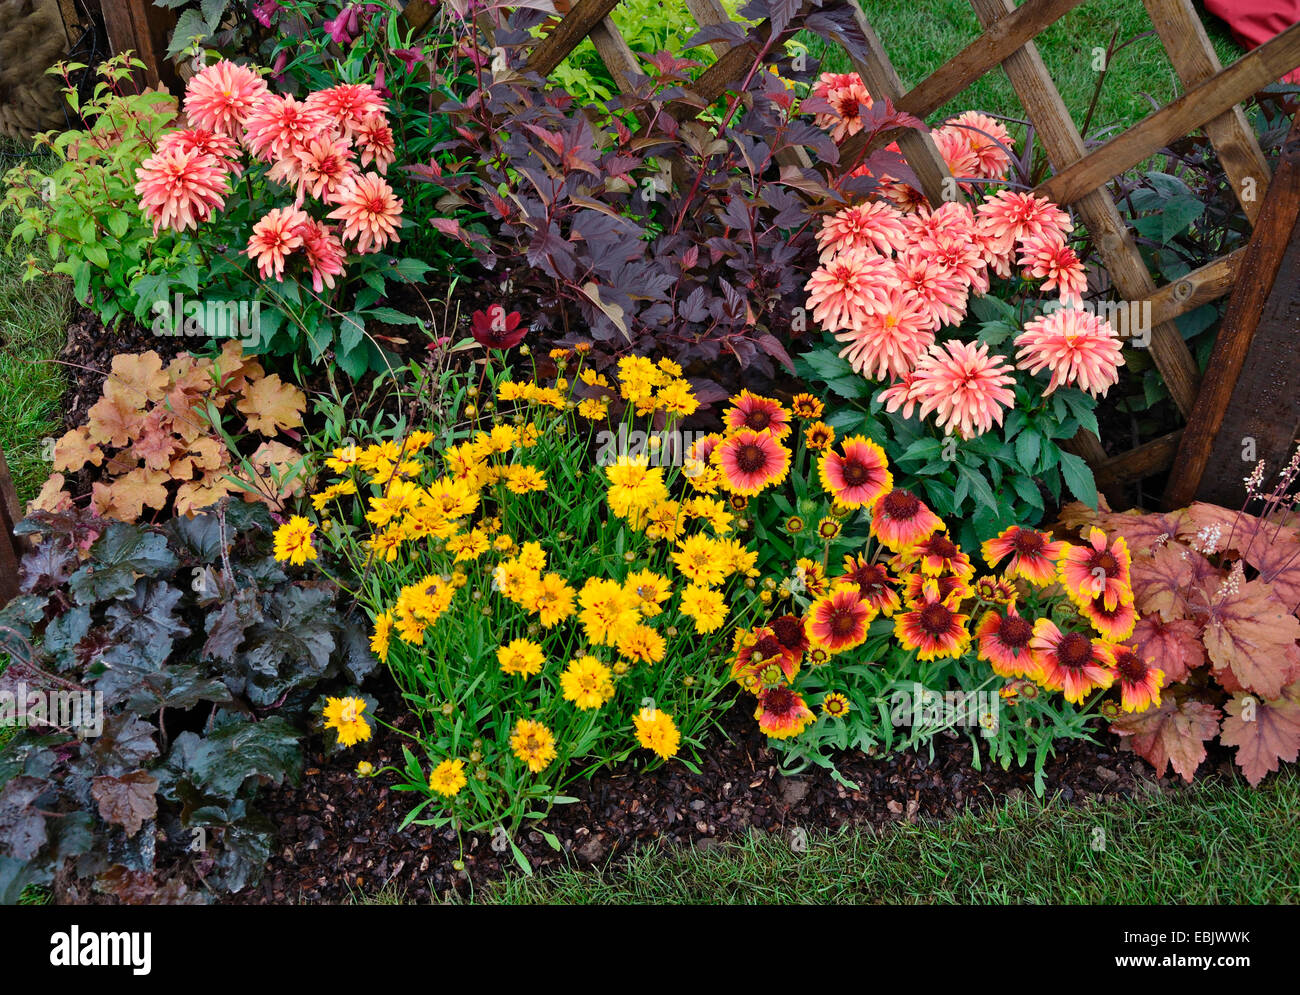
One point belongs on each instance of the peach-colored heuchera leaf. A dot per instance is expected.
(155, 444)
(1175, 647)
(1161, 580)
(1278, 562)
(137, 379)
(270, 405)
(1252, 634)
(139, 489)
(74, 450)
(1263, 732)
(52, 498)
(1174, 734)
(196, 495)
(114, 421)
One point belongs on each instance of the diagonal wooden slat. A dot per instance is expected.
(568, 34)
(1182, 116)
(1195, 61)
(918, 147)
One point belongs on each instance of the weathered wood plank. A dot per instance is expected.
(568, 34)
(918, 147)
(1194, 59)
(1200, 286)
(11, 546)
(1252, 385)
(1180, 117)
(1145, 460)
(140, 27)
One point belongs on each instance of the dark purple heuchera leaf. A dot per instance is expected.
(22, 825)
(495, 329)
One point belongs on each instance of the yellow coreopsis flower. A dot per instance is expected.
(607, 610)
(293, 541)
(382, 633)
(650, 589)
(705, 606)
(344, 715)
(468, 545)
(655, 730)
(551, 599)
(533, 743)
(448, 778)
(400, 497)
(521, 658)
(587, 683)
(701, 559)
(641, 643)
(524, 479)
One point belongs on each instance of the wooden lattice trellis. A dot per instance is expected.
(1209, 102)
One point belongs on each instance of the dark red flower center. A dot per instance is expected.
(941, 547)
(1075, 651)
(1106, 561)
(935, 620)
(789, 632)
(843, 621)
(1131, 668)
(900, 504)
(767, 647)
(751, 458)
(856, 473)
(1015, 631)
(758, 419)
(1028, 542)
(779, 701)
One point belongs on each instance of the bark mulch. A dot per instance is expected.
(337, 834)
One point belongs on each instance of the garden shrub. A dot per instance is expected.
(85, 210)
(199, 661)
(1219, 593)
(163, 437)
(702, 263)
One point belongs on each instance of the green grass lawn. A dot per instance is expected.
(1214, 843)
(920, 37)
(33, 320)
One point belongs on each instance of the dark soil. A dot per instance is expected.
(337, 838)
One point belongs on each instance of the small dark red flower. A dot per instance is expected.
(495, 329)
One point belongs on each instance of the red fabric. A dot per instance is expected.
(1254, 22)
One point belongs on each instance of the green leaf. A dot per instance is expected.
(122, 552)
(1178, 215)
(1079, 479)
(1028, 446)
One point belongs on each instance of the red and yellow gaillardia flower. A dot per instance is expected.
(1004, 643)
(782, 713)
(858, 475)
(1070, 662)
(819, 436)
(835, 705)
(1097, 570)
(1114, 624)
(948, 588)
(758, 414)
(1033, 554)
(937, 555)
(791, 634)
(900, 519)
(839, 620)
(807, 407)
(751, 461)
(1139, 681)
(759, 653)
(995, 590)
(875, 585)
(934, 629)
